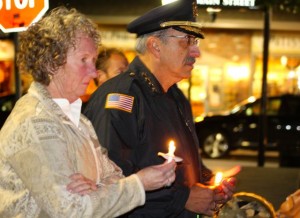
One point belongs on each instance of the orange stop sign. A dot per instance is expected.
(17, 15)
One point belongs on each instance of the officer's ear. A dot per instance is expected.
(153, 44)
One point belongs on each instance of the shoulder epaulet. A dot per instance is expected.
(126, 80)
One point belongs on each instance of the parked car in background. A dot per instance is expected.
(240, 128)
(6, 105)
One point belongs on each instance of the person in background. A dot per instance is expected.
(290, 208)
(110, 63)
(51, 162)
(138, 112)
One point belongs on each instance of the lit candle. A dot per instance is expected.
(171, 151)
(218, 178)
(170, 155)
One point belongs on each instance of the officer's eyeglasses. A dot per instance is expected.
(191, 40)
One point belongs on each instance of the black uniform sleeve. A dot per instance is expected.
(115, 130)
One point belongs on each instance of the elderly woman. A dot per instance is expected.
(51, 163)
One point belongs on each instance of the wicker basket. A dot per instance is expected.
(261, 204)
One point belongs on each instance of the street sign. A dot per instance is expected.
(17, 15)
(227, 3)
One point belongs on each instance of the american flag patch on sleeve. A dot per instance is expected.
(119, 101)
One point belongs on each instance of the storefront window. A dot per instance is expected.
(228, 73)
(7, 81)
(283, 68)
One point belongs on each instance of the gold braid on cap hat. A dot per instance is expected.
(180, 23)
(185, 25)
(191, 29)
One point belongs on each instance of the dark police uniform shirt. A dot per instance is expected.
(134, 119)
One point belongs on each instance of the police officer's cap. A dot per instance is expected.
(180, 15)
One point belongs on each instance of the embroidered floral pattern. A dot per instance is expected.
(40, 148)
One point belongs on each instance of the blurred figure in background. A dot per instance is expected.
(290, 208)
(110, 63)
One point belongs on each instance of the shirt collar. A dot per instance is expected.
(73, 110)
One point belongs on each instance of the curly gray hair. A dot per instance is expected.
(44, 45)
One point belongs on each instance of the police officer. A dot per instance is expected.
(138, 112)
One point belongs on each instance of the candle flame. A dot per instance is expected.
(172, 149)
(218, 178)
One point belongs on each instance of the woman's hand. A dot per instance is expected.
(158, 176)
(81, 185)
